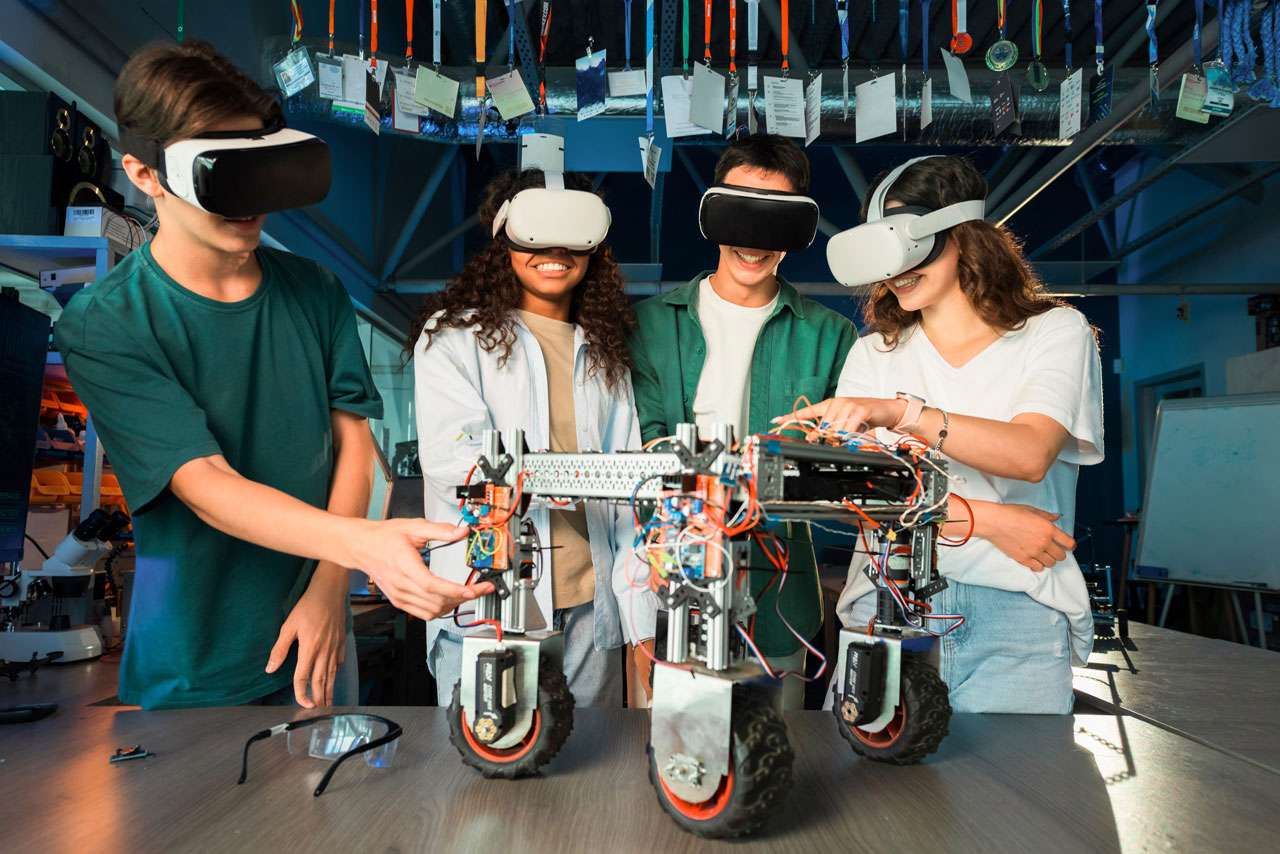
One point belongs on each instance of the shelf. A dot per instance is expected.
(31, 254)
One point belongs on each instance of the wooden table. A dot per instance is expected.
(1000, 783)
(1224, 694)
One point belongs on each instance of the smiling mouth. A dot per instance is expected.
(904, 283)
(750, 258)
(551, 267)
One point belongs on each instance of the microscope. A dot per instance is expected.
(61, 589)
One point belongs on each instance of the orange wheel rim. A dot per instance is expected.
(887, 736)
(503, 754)
(709, 808)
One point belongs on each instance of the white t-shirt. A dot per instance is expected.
(1051, 367)
(724, 386)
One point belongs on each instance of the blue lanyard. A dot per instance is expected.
(924, 34)
(873, 11)
(1066, 17)
(1241, 43)
(361, 2)
(1195, 33)
(1099, 50)
(626, 48)
(842, 15)
(648, 66)
(513, 9)
(1271, 40)
(1152, 54)
(902, 29)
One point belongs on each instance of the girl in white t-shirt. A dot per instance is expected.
(1013, 378)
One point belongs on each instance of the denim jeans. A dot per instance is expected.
(1011, 655)
(595, 677)
(346, 683)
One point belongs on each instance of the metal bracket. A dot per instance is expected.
(690, 727)
(892, 676)
(498, 473)
(529, 648)
(684, 593)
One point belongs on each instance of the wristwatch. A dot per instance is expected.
(910, 421)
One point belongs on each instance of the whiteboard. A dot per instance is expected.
(1211, 514)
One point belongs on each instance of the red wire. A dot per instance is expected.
(949, 542)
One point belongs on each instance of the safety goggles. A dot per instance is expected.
(334, 738)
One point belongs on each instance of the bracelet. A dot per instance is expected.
(942, 434)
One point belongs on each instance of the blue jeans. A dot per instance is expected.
(1011, 655)
(595, 677)
(346, 683)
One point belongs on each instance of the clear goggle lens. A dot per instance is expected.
(332, 738)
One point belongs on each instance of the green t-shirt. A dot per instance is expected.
(170, 376)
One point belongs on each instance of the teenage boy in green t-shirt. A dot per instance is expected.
(738, 345)
(231, 393)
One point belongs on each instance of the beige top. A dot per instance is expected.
(573, 580)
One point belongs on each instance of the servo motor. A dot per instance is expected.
(495, 694)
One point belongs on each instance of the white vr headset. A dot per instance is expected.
(239, 173)
(888, 245)
(553, 218)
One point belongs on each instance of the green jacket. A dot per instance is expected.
(800, 351)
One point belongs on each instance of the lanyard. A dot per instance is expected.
(482, 18)
(1037, 19)
(360, 3)
(1195, 33)
(542, 54)
(1099, 50)
(331, 27)
(873, 11)
(435, 34)
(1152, 54)
(706, 33)
(373, 36)
(733, 40)
(513, 10)
(408, 24)
(626, 47)
(903, 23)
(786, 31)
(296, 32)
(648, 67)
(961, 41)
(924, 34)
(1066, 17)
(813, 30)
(753, 42)
(1003, 24)
(686, 38)
(842, 15)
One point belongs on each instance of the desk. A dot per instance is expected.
(999, 783)
(1225, 694)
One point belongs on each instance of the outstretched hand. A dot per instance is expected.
(850, 414)
(390, 552)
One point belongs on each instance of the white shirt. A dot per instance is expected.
(460, 390)
(1051, 367)
(724, 386)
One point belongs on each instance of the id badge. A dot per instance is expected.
(329, 73)
(1220, 97)
(293, 73)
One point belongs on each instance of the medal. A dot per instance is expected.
(961, 41)
(1037, 74)
(1002, 55)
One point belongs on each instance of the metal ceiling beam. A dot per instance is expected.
(447, 156)
(440, 243)
(1088, 139)
(1141, 183)
(1172, 224)
(1222, 174)
(1091, 192)
(1028, 158)
(852, 172)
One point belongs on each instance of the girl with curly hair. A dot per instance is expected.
(967, 352)
(536, 339)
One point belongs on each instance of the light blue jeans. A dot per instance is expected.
(346, 683)
(1011, 655)
(595, 677)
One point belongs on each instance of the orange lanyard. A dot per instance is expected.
(482, 18)
(408, 16)
(785, 26)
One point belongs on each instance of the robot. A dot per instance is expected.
(719, 757)
(63, 578)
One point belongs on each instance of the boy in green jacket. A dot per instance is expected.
(739, 345)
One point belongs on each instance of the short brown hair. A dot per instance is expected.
(167, 92)
(994, 275)
(767, 152)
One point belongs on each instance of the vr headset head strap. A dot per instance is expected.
(875, 208)
(944, 218)
(151, 151)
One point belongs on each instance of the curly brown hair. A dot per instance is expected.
(994, 274)
(486, 293)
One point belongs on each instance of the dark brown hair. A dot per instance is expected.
(767, 152)
(994, 275)
(167, 92)
(486, 294)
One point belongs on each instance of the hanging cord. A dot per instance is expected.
(1268, 87)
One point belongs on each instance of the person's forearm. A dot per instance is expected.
(1000, 448)
(259, 514)
(352, 481)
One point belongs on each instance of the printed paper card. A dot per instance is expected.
(706, 99)
(784, 106)
(293, 73)
(957, 77)
(812, 110)
(329, 75)
(874, 111)
(591, 85)
(510, 95)
(677, 92)
(624, 84)
(1070, 104)
(926, 103)
(436, 91)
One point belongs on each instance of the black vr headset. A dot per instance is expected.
(240, 173)
(758, 219)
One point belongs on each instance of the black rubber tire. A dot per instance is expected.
(761, 757)
(926, 717)
(555, 711)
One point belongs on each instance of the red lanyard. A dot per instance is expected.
(785, 26)
(542, 55)
(408, 17)
(297, 20)
(373, 37)
(706, 31)
(733, 37)
(331, 27)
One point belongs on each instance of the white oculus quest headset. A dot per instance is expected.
(552, 217)
(891, 243)
(239, 174)
(771, 220)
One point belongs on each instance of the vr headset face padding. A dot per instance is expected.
(240, 173)
(758, 219)
(539, 218)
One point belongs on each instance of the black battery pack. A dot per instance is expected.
(864, 672)
(495, 694)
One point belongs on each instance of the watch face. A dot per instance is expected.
(1038, 76)
(1002, 55)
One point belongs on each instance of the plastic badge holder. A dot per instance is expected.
(329, 740)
